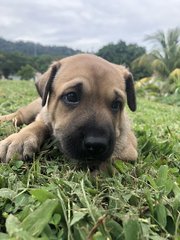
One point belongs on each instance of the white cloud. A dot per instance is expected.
(86, 25)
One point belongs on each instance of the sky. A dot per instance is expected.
(87, 25)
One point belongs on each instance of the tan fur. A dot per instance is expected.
(24, 115)
(100, 79)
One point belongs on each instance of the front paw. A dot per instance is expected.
(23, 145)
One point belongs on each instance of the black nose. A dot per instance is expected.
(95, 146)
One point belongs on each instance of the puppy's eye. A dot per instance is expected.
(71, 98)
(116, 105)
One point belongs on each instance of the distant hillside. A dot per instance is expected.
(33, 49)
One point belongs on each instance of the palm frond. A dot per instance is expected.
(159, 39)
(160, 68)
(144, 60)
(173, 36)
(167, 50)
(157, 55)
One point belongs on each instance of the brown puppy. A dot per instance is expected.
(82, 105)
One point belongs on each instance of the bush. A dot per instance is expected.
(26, 72)
(165, 90)
(173, 84)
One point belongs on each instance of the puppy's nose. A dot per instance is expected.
(95, 145)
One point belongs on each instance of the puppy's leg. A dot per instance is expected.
(24, 115)
(26, 142)
(126, 150)
(126, 143)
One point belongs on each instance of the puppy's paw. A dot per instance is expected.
(20, 144)
(128, 154)
(7, 118)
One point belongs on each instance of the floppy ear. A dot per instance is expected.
(130, 91)
(129, 86)
(44, 82)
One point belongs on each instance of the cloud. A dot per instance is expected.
(86, 25)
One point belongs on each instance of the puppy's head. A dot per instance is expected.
(84, 97)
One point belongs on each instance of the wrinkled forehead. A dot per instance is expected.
(97, 73)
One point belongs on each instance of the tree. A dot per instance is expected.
(10, 63)
(41, 63)
(165, 56)
(26, 72)
(142, 66)
(122, 53)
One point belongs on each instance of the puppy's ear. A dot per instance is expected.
(129, 86)
(44, 82)
(130, 91)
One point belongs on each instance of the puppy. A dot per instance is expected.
(82, 103)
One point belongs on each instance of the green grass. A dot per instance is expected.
(49, 199)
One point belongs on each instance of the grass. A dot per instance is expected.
(49, 199)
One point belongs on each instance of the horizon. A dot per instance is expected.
(54, 45)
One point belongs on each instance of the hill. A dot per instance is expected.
(35, 49)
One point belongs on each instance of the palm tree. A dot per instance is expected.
(165, 56)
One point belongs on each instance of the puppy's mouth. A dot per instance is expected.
(89, 143)
(90, 151)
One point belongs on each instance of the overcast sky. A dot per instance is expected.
(86, 25)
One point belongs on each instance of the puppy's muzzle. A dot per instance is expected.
(89, 142)
(94, 146)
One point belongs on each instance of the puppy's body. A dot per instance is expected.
(83, 99)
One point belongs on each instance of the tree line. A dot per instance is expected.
(15, 62)
(26, 58)
(22, 59)
(35, 49)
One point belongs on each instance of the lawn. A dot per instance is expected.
(49, 199)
